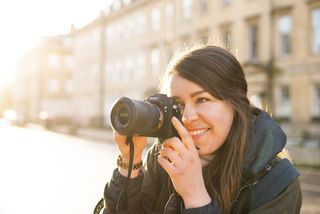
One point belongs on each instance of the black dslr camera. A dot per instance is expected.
(151, 117)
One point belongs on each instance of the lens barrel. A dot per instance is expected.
(135, 117)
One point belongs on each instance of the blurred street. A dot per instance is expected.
(47, 172)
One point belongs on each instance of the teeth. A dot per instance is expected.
(197, 132)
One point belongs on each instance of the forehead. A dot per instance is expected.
(178, 86)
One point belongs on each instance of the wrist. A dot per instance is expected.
(194, 202)
(124, 172)
(126, 157)
(124, 163)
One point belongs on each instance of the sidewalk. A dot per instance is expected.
(307, 155)
(96, 134)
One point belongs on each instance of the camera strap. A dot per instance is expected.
(123, 195)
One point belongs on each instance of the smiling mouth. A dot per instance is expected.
(198, 132)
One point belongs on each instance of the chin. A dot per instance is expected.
(203, 151)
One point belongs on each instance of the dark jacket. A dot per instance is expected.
(270, 184)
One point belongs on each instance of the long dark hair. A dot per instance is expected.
(218, 72)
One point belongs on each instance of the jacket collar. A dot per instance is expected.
(267, 141)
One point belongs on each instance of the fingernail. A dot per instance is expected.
(174, 120)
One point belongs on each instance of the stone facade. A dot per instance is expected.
(44, 84)
(127, 48)
(259, 32)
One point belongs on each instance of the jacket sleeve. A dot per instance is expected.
(141, 191)
(288, 201)
(115, 196)
(213, 208)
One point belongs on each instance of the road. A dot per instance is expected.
(310, 185)
(46, 172)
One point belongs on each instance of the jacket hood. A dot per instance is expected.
(267, 141)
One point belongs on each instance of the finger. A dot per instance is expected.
(139, 139)
(119, 138)
(166, 165)
(172, 155)
(183, 133)
(140, 143)
(175, 144)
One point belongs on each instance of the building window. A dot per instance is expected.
(155, 17)
(253, 41)
(169, 14)
(109, 34)
(226, 2)
(284, 107)
(53, 61)
(141, 22)
(118, 71)
(69, 87)
(53, 86)
(226, 37)
(155, 61)
(316, 100)
(285, 94)
(187, 9)
(110, 72)
(140, 65)
(284, 30)
(69, 62)
(128, 69)
(169, 10)
(126, 2)
(203, 6)
(316, 31)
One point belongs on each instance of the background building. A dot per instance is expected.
(126, 49)
(44, 85)
(88, 74)
(277, 43)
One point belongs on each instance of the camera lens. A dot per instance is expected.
(123, 116)
(135, 117)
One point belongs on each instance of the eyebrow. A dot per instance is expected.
(193, 94)
(197, 93)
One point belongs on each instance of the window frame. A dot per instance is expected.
(312, 37)
(253, 22)
(279, 35)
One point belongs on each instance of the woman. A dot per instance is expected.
(226, 159)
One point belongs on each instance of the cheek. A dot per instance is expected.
(220, 117)
(221, 123)
(226, 119)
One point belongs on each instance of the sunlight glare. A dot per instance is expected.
(24, 22)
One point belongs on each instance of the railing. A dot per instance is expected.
(304, 132)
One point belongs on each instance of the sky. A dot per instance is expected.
(23, 22)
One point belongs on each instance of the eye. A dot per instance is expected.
(180, 105)
(202, 100)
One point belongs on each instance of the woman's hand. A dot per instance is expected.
(180, 159)
(124, 149)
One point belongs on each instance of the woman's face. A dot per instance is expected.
(207, 118)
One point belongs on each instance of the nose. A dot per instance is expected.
(189, 114)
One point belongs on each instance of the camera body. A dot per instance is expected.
(150, 118)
